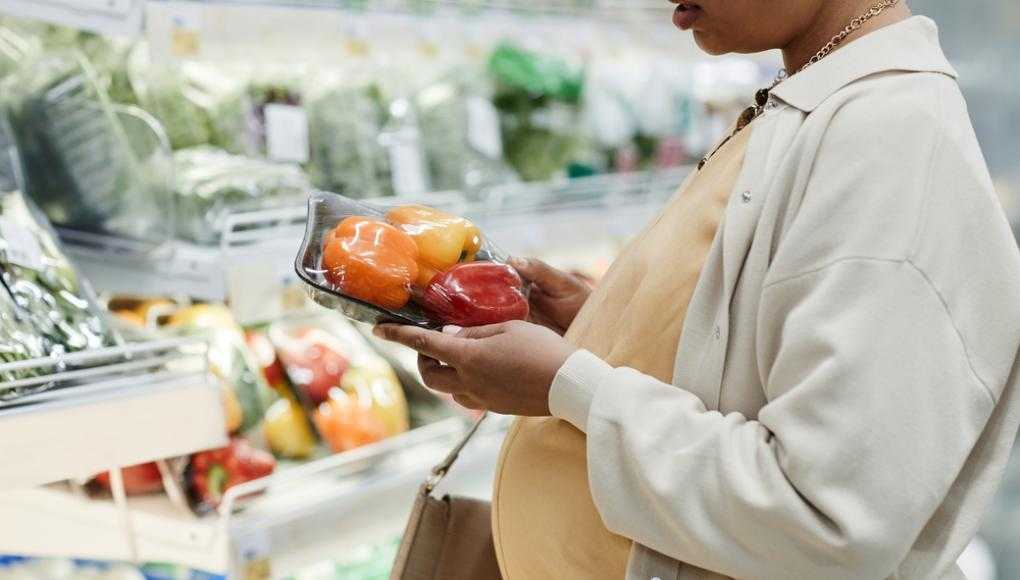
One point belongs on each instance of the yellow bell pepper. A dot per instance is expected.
(287, 430)
(443, 239)
(374, 385)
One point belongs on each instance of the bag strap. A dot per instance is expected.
(440, 470)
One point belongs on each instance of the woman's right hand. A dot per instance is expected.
(556, 296)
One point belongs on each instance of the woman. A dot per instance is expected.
(804, 368)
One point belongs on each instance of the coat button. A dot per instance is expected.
(718, 332)
(656, 578)
(746, 197)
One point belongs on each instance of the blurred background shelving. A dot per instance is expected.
(172, 145)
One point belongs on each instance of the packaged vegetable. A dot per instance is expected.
(229, 358)
(315, 362)
(351, 393)
(476, 294)
(287, 430)
(371, 260)
(346, 156)
(377, 264)
(139, 479)
(346, 423)
(211, 183)
(442, 239)
(80, 165)
(211, 473)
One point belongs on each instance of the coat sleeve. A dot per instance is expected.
(873, 409)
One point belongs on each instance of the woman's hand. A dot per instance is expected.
(556, 296)
(506, 368)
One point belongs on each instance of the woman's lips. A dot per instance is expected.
(685, 15)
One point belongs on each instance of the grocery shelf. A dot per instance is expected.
(314, 509)
(107, 408)
(115, 17)
(255, 257)
(227, 30)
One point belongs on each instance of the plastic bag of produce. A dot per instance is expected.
(345, 153)
(246, 393)
(46, 307)
(211, 183)
(538, 98)
(80, 166)
(409, 264)
(197, 103)
(461, 134)
(352, 394)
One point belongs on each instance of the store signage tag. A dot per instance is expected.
(286, 133)
(20, 244)
(186, 31)
(484, 133)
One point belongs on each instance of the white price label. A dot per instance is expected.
(22, 247)
(286, 133)
(484, 133)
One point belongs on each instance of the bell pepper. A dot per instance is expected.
(376, 385)
(265, 355)
(346, 423)
(287, 430)
(372, 261)
(211, 473)
(314, 363)
(139, 479)
(476, 294)
(443, 239)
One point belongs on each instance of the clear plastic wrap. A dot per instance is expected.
(46, 308)
(210, 183)
(80, 165)
(352, 395)
(407, 264)
(197, 103)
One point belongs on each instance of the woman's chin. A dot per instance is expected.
(710, 44)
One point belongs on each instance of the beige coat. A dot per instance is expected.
(845, 390)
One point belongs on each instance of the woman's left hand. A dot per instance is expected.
(506, 368)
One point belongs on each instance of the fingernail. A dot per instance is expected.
(452, 329)
(378, 331)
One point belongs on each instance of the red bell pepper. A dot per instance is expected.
(211, 473)
(138, 479)
(476, 294)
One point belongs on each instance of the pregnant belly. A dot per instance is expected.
(544, 520)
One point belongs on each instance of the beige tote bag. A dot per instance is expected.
(448, 538)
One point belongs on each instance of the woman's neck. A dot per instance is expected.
(831, 19)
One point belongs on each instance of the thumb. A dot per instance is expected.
(550, 280)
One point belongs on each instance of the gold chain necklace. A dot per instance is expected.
(761, 98)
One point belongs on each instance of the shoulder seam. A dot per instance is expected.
(959, 334)
(928, 282)
(827, 265)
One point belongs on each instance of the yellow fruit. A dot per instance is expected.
(287, 431)
(232, 413)
(375, 386)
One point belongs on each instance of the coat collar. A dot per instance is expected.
(908, 46)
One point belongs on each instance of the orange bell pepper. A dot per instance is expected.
(443, 239)
(372, 261)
